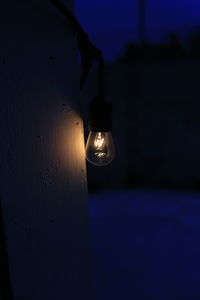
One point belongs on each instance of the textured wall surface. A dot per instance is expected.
(42, 164)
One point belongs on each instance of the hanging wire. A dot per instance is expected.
(101, 78)
(89, 52)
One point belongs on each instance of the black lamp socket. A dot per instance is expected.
(100, 115)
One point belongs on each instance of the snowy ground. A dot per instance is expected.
(146, 245)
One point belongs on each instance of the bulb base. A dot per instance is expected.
(100, 115)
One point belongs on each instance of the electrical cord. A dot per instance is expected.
(89, 52)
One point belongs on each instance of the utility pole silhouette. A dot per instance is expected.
(142, 21)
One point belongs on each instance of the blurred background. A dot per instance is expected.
(145, 206)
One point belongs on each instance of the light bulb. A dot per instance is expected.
(100, 149)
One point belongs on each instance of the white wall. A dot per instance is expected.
(42, 163)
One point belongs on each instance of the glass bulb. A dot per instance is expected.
(100, 149)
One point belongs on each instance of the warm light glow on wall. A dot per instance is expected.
(70, 140)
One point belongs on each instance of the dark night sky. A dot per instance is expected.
(111, 23)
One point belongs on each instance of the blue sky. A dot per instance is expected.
(111, 23)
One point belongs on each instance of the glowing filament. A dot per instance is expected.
(99, 141)
(100, 149)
